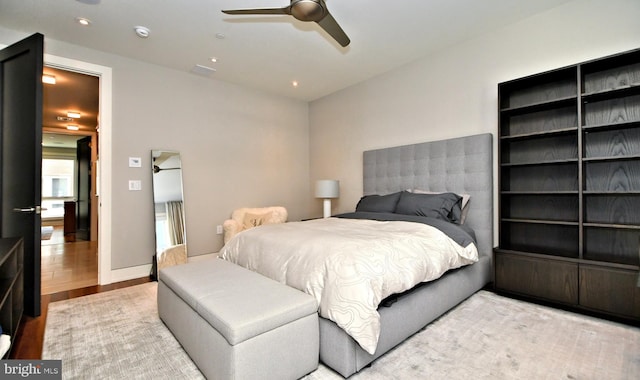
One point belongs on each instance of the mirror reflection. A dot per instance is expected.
(168, 199)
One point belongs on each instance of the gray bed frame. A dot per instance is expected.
(461, 165)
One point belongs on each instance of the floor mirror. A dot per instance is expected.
(168, 201)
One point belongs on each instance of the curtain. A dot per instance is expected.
(175, 222)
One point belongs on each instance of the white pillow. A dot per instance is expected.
(465, 200)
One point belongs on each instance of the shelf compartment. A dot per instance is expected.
(612, 209)
(605, 76)
(612, 143)
(612, 176)
(548, 239)
(538, 89)
(612, 111)
(612, 245)
(540, 207)
(610, 290)
(542, 149)
(544, 178)
(556, 119)
(524, 275)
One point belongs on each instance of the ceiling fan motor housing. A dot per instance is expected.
(308, 10)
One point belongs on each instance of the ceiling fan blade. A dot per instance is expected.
(265, 11)
(330, 25)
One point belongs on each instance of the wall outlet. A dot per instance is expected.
(219, 230)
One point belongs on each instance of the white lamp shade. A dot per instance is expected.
(327, 188)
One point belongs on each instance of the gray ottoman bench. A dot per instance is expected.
(238, 324)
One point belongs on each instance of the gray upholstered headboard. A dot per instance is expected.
(460, 165)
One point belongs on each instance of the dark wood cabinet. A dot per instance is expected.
(11, 286)
(569, 186)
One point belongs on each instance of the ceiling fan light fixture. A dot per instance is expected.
(308, 10)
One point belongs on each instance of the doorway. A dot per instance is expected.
(69, 245)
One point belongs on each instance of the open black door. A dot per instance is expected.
(21, 156)
(83, 212)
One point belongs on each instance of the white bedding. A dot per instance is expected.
(349, 265)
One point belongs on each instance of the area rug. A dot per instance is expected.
(118, 335)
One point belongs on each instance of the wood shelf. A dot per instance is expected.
(569, 174)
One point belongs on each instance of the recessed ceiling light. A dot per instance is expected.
(48, 79)
(214, 59)
(73, 127)
(294, 83)
(220, 36)
(73, 114)
(142, 31)
(83, 21)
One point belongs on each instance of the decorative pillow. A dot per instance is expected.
(378, 203)
(465, 201)
(255, 220)
(445, 206)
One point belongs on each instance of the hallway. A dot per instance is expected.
(67, 266)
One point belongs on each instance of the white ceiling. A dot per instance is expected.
(269, 52)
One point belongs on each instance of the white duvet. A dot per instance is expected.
(349, 265)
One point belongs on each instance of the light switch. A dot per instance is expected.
(135, 185)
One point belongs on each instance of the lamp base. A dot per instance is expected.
(326, 208)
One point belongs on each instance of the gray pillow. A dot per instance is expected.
(445, 206)
(378, 203)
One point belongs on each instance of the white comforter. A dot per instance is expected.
(349, 265)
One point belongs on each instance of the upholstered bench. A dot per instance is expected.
(238, 324)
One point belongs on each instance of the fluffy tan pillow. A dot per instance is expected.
(255, 220)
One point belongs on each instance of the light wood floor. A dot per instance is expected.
(67, 266)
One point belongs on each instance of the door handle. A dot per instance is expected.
(36, 209)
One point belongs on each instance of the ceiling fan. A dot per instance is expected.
(303, 10)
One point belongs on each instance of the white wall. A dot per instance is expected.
(454, 92)
(242, 147)
(239, 147)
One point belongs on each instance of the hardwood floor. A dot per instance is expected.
(68, 265)
(69, 270)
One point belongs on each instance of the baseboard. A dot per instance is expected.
(130, 273)
(140, 271)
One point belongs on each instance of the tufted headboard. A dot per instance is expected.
(460, 165)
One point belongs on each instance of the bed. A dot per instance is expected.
(462, 166)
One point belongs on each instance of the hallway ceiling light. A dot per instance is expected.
(48, 79)
(73, 114)
(73, 127)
